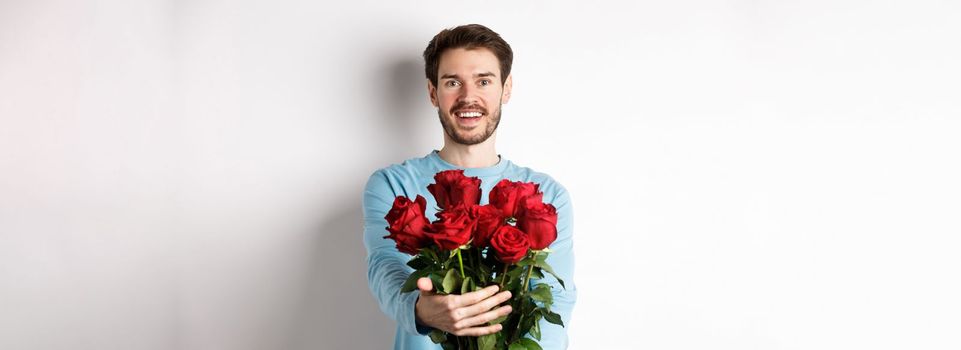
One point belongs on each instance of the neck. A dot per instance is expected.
(481, 155)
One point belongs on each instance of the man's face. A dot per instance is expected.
(469, 94)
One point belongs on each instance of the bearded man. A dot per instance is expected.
(468, 71)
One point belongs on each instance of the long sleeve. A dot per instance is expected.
(554, 337)
(386, 267)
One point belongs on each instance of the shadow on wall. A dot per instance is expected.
(338, 311)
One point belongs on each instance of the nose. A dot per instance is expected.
(468, 94)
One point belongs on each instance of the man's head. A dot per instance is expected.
(468, 78)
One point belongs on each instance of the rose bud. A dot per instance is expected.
(488, 219)
(506, 195)
(539, 221)
(510, 244)
(407, 224)
(452, 188)
(453, 228)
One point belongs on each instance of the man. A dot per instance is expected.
(468, 79)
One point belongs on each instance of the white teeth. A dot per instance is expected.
(470, 114)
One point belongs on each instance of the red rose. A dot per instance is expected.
(453, 228)
(408, 226)
(488, 219)
(509, 244)
(452, 188)
(538, 220)
(506, 195)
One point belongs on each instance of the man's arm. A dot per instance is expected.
(386, 266)
(561, 259)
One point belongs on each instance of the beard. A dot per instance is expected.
(469, 140)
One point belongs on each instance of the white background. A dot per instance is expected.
(745, 174)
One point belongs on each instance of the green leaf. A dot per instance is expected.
(437, 336)
(530, 344)
(536, 273)
(450, 280)
(513, 284)
(552, 317)
(515, 272)
(485, 270)
(517, 346)
(526, 325)
(542, 293)
(420, 262)
(541, 259)
(429, 253)
(527, 260)
(527, 306)
(536, 329)
(487, 342)
(498, 320)
(437, 279)
(465, 287)
(410, 284)
(550, 270)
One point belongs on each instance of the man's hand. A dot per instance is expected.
(461, 315)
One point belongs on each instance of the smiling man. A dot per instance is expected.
(468, 72)
(468, 95)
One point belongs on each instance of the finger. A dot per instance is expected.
(425, 286)
(486, 304)
(478, 331)
(484, 317)
(475, 296)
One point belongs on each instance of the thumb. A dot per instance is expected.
(425, 286)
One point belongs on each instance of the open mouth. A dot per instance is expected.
(469, 118)
(469, 114)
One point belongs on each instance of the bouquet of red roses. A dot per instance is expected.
(471, 246)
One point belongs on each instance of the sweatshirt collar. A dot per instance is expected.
(495, 169)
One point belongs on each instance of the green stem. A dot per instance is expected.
(518, 329)
(473, 260)
(477, 265)
(527, 280)
(504, 276)
(461, 262)
(529, 272)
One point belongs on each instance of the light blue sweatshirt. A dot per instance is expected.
(387, 267)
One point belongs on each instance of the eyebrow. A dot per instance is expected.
(478, 75)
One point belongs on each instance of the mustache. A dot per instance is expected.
(468, 106)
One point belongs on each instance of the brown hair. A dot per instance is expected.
(469, 36)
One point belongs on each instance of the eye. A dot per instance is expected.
(452, 83)
(485, 82)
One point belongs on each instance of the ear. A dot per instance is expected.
(508, 84)
(432, 92)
